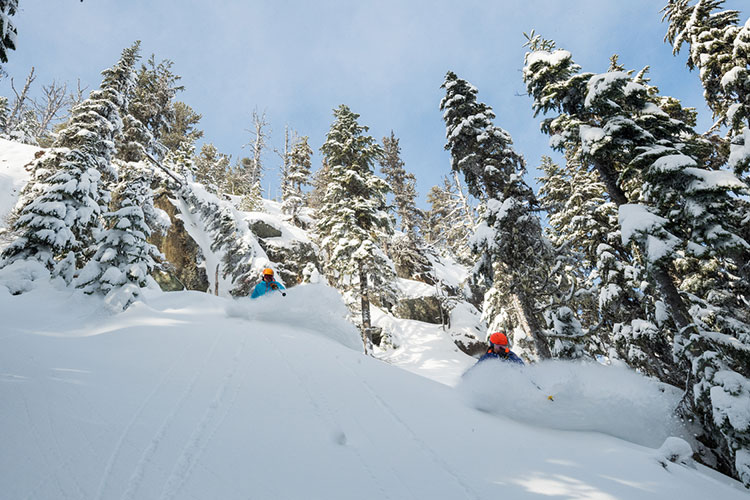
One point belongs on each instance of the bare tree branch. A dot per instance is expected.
(76, 97)
(18, 104)
(53, 101)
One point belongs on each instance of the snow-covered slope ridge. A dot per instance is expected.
(190, 396)
(13, 176)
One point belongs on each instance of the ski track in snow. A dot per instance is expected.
(35, 433)
(109, 468)
(470, 493)
(56, 453)
(326, 414)
(204, 431)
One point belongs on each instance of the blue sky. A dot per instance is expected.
(297, 60)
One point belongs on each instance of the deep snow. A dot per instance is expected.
(194, 396)
(191, 396)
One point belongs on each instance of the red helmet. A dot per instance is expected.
(499, 338)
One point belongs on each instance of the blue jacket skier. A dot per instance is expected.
(269, 284)
(499, 350)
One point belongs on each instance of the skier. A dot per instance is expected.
(268, 284)
(498, 349)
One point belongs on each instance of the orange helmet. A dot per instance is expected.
(500, 339)
(268, 272)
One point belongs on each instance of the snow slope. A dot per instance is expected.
(191, 396)
(13, 175)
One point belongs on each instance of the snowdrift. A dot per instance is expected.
(586, 397)
(190, 396)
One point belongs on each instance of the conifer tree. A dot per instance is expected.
(70, 181)
(407, 251)
(614, 307)
(4, 114)
(252, 200)
(297, 177)
(211, 168)
(152, 102)
(181, 127)
(450, 221)
(182, 160)
(26, 129)
(352, 217)
(719, 48)
(319, 186)
(124, 259)
(285, 163)
(508, 241)
(403, 185)
(8, 31)
(651, 163)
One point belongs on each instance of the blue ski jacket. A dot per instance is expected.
(264, 287)
(510, 357)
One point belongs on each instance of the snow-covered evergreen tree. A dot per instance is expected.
(403, 185)
(407, 251)
(230, 236)
(314, 198)
(611, 294)
(252, 200)
(211, 168)
(669, 204)
(451, 220)
(124, 259)
(181, 160)
(298, 175)
(182, 127)
(70, 188)
(352, 218)
(136, 139)
(152, 102)
(26, 129)
(8, 31)
(4, 115)
(513, 255)
(719, 47)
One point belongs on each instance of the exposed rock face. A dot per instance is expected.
(410, 262)
(427, 309)
(181, 251)
(264, 230)
(291, 259)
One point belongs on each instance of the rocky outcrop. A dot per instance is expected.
(181, 252)
(427, 309)
(264, 230)
(291, 258)
(410, 261)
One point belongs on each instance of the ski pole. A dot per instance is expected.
(549, 397)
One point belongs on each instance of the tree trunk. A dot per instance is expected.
(366, 326)
(468, 214)
(667, 288)
(609, 177)
(16, 114)
(530, 325)
(671, 296)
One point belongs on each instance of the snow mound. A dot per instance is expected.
(586, 397)
(22, 276)
(311, 307)
(675, 450)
